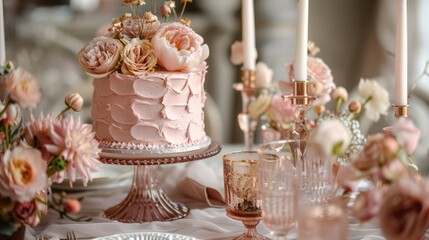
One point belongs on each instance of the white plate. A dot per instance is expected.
(147, 236)
(108, 176)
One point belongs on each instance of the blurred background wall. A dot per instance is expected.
(356, 38)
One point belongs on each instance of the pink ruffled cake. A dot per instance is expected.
(159, 110)
(148, 85)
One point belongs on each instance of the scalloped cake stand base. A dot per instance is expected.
(146, 201)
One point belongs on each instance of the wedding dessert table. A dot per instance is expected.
(206, 220)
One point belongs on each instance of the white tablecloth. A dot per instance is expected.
(203, 222)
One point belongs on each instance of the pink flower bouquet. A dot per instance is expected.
(38, 152)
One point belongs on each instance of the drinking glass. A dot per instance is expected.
(323, 220)
(243, 199)
(279, 186)
(316, 181)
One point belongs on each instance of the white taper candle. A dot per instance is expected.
(2, 39)
(249, 46)
(300, 66)
(401, 68)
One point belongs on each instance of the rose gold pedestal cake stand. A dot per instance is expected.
(146, 201)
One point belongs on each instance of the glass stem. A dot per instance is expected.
(251, 228)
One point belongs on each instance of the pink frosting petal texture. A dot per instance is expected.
(157, 110)
(179, 48)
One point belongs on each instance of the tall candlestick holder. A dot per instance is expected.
(248, 91)
(301, 101)
(401, 110)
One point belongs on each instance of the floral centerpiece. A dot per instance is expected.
(35, 153)
(138, 44)
(279, 113)
(396, 196)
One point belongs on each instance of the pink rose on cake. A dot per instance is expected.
(150, 26)
(139, 58)
(179, 48)
(132, 27)
(101, 56)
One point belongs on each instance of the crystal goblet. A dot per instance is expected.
(243, 199)
(279, 186)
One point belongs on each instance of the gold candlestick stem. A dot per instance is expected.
(247, 123)
(401, 110)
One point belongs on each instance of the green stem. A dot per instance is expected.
(7, 137)
(60, 116)
(154, 7)
(175, 13)
(5, 108)
(366, 101)
(183, 10)
(64, 214)
(338, 106)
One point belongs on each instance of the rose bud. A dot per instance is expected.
(74, 101)
(340, 93)
(71, 205)
(319, 109)
(165, 10)
(355, 107)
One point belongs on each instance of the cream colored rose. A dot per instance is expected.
(132, 27)
(404, 211)
(23, 88)
(179, 48)
(150, 26)
(139, 58)
(100, 57)
(22, 173)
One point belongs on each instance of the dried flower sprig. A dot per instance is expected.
(65, 206)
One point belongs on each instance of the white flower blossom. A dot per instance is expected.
(378, 97)
(331, 138)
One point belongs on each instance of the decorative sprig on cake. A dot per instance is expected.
(138, 44)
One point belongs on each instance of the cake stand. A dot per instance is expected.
(146, 201)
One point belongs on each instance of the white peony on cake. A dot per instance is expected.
(148, 80)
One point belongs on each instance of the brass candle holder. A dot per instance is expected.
(248, 90)
(301, 101)
(401, 110)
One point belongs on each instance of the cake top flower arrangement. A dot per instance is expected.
(138, 44)
(37, 152)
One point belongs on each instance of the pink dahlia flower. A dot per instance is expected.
(75, 143)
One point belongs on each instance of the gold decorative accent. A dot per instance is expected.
(401, 111)
(248, 77)
(300, 94)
